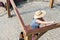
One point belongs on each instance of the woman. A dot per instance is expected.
(38, 19)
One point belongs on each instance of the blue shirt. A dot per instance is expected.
(34, 24)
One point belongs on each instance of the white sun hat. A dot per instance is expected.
(39, 14)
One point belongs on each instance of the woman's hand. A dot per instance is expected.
(44, 24)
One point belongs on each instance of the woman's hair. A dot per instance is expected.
(40, 19)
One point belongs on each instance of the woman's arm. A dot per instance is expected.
(44, 22)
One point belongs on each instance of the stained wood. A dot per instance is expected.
(51, 3)
(8, 8)
(18, 16)
(43, 29)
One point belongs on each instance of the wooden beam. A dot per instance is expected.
(8, 8)
(51, 3)
(41, 33)
(38, 30)
(18, 15)
(29, 37)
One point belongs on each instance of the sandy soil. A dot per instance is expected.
(10, 27)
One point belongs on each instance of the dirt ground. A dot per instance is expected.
(10, 27)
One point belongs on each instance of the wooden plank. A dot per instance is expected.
(8, 8)
(38, 30)
(51, 3)
(29, 37)
(41, 33)
(18, 16)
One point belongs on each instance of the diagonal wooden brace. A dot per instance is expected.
(38, 30)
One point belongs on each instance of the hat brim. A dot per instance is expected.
(42, 15)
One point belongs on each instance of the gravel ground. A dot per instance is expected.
(10, 27)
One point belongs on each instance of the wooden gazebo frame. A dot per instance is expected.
(8, 7)
(27, 31)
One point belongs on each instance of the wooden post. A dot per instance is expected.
(27, 37)
(41, 33)
(51, 3)
(8, 8)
